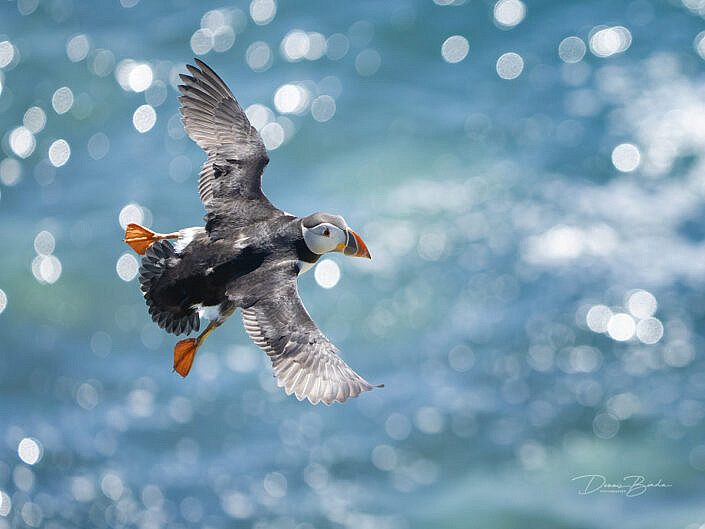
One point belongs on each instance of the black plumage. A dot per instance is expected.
(248, 255)
(156, 261)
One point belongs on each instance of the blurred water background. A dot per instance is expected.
(530, 180)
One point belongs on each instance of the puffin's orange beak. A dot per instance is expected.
(356, 246)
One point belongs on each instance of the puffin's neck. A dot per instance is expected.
(305, 256)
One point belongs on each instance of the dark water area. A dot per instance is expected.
(529, 179)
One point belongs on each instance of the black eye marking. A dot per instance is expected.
(326, 233)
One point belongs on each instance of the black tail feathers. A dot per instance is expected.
(154, 264)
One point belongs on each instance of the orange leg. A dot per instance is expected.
(140, 238)
(185, 350)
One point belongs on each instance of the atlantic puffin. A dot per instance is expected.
(248, 255)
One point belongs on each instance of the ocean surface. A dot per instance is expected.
(530, 180)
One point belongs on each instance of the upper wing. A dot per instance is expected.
(230, 183)
(305, 362)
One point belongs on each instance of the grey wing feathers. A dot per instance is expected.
(304, 361)
(215, 121)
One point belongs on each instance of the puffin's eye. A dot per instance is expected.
(326, 232)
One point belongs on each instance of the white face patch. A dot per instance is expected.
(324, 238)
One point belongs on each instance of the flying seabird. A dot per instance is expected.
(248, 255)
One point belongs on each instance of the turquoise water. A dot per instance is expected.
(534, 305)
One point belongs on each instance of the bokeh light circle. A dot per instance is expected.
(10, 171)
(78, 47)
(337, 46)
(272, 135)
(7, 53)
(605, 425)
(610, 40)
(323, 108)
(509, 13)
(642, 304)
(127, 267)
(295, 45)
(455, 49)
(598, 317)
(461, 358)
(46, 268)
(699, 44)
(34, 119)
(368, 62)
(223, 39)
(397, 426)
(59, 153)
(29, 451)
(98, 145)
(144, 118)
(649, 330)
(5, 504)
(259, 115)
(572, 49)
(44, 243)
(140, 77)
(259, 56)
(263, 11)
(510, 65)
(131, 213)
(327, 273)
(62, 100)
(22, 142)
(291, 99)
(202, 41)
(626, 157)
(102, 62)
(621, 327)
(316, 46)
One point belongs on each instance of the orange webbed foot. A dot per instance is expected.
(139, 238)
(184, 354)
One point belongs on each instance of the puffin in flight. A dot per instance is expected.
(248, 255)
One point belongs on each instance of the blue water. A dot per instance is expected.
(535, 313)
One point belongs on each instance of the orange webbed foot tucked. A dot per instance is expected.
(140, 238)
(184, 354)
(185, 350)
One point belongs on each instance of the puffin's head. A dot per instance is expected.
(324, 233)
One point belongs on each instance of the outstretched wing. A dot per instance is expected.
(305, 362)
(230, 183)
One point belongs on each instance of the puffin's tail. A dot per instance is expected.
(154, 263)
